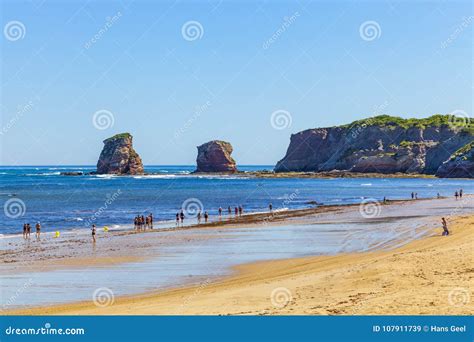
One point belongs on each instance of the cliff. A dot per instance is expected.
(118, 156)
(214, 156)
(382, 144)
(460, 165)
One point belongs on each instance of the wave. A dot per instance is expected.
(44, 174)
(366, 184)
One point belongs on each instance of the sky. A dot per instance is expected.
(176, 74)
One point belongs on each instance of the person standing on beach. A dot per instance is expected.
(28, 230)
(220, 211)
(229, 210)
(93, 232)
(24, 230)
(241, 210)
(38, 230)
(182, 216)
(412, 195)
(206, 216)
(445, 226)
(199, 216)
(236, 211)
(270, 206)
(151, 220)
(177, 219)
(460, 193)
(456, 195)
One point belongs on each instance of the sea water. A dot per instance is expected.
(41, 193)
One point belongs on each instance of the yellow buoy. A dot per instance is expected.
(106, 229)
(57, 234)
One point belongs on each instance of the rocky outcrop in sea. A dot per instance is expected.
(382, 144)
(119, 157)
(215, 156)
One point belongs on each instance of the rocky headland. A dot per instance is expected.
(382, 144)
(460, 165)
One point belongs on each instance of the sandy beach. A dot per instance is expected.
(429, 275)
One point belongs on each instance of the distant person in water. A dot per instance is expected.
(199, 216)
(25, 228)
(270, 207)
(456, 195)
(206, 216)
(93, 232)
(38, 230)
(445, 226)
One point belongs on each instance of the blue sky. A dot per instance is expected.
(312, 60)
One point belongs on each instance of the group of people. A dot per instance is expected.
(141, 221)
(458, 194)
(27, 230)
(238, 211)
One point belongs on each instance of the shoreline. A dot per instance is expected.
(354, 283)
(167, 300)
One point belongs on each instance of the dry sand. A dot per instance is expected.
(430, 276)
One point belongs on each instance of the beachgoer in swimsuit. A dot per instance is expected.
(181, 215)
(241, 210)
(199, 216)
(270, 206)
(229, 210)
(206, 216)
(151, 221)
(220, 211)
(24, 230)
(93, 232)
(28, 230)
(236, 211)
(456, 195)
(177, 219)
(445, 226)
(460, 193)
(38, 230)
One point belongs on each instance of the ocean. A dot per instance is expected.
(40, 193)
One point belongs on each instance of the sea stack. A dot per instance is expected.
(118, 156)
(460, 165)
(214, 156)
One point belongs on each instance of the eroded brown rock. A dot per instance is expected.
(215, 156)
(118, 156)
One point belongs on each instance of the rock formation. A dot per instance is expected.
(460, 165)
(118, 157)
(382, 144)
(214, 156)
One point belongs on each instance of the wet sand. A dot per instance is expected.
(432, 275)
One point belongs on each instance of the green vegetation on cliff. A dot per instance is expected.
(436, 120)
(464, 151)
